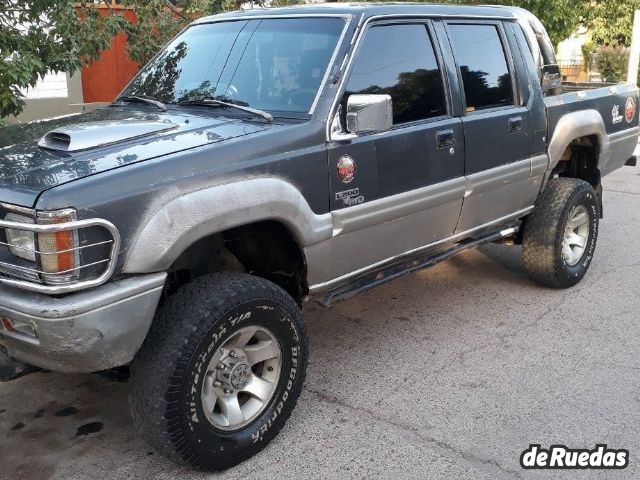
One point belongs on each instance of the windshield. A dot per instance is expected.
(269, 64)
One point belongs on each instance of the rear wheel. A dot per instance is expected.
(560, 234)
(220, 370)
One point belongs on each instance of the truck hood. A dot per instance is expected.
(37, 156)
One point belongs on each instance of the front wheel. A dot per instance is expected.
(560, 234)
(220, 371)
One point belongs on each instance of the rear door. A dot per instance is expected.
(496, 125)
(396, 191)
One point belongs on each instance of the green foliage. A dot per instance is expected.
(37, 36)
(560, 17)
(158, 21)
(610, 21)
(611, 62)
(40, 36)
(588, 49)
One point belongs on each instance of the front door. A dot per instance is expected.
(496, 126)
(396, 191)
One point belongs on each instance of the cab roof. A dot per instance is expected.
(370, 10)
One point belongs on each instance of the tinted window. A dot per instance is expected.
(483, 66)
(399, 60)
(272, 64)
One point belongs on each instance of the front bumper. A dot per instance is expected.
(85, 332)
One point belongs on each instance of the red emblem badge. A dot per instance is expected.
(630, 110)
(346, 169)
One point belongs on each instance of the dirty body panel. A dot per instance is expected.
(448, 168)
(81, 332)
(608, 114)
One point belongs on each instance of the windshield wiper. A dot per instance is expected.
(141, 99)
(214, 102)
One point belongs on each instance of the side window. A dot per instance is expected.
(483, 66)
(399, 60)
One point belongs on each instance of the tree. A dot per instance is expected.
(38, 36)
(41, 36)
(610, 22)
(611, 62)
(560, 17)
(160, 20)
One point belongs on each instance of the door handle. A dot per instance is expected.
(515, 124)
(445, 139)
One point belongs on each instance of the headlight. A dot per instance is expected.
(21, 243)
(56, 253)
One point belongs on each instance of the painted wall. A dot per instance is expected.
(53, 96)
(103, 80)
(570, 58)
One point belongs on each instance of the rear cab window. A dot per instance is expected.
(482, 64)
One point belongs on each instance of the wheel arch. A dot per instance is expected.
(189, 218)
(266, 249)
(582, 128)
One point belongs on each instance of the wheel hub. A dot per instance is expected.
(241, 378)
(576, 236)
(238, 376)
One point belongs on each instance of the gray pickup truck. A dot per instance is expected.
(269, 157)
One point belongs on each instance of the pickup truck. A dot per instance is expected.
(272, 156)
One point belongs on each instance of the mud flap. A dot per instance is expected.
(599, 195)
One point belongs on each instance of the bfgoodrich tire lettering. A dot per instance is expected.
(549, 226)
(168, 373)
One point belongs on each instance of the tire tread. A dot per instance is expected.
(544, 230)
(159, 367)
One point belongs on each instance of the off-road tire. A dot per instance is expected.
(168, 371)
(545, 231)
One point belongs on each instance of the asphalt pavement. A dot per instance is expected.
(447, 373)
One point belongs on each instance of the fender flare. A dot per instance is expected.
(182, 221)
(575, 125)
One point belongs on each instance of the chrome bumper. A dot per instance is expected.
(85, 332)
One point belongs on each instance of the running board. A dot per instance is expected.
(407, 265)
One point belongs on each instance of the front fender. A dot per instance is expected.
(178, 224)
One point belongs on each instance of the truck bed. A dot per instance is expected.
(618, 140)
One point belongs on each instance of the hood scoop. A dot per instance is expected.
(85, 136)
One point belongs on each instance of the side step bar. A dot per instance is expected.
(408, 265)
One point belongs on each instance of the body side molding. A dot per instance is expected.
(497, 177)
(331, 283)
(399, 205)
(188, 218)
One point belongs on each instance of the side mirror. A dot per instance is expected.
(369, 113)
(551, 79)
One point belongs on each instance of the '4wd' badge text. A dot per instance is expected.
(615, 114)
